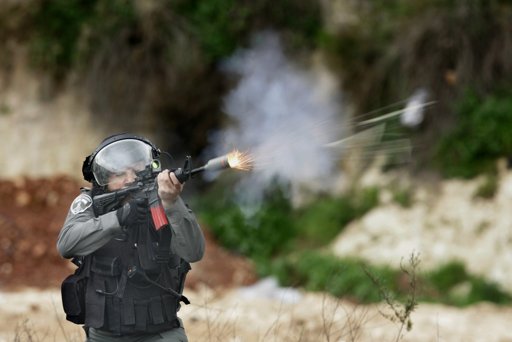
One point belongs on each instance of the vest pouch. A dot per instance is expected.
(73, 298)
(106, 266)
(141, 315)
(170, 306)
(156, 310)
(95, 300)
(147, 259)
(137, 276)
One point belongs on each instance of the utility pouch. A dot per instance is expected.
(73, 290)
(147, 258)
(106, 266)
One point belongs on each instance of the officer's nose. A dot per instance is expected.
(129, 177)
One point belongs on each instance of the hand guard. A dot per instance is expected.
(132, 213)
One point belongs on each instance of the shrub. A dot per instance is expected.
(66, 32)
(403, 197)
(447, 276)
(481, 136)
(488, 188)
(348, 278)
(260, 235)
(444, 285)
(482, 290)
(322, 220)
(357, 280)
(58, 25)
(223, 25)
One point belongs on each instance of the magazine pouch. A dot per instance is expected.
(73, 293)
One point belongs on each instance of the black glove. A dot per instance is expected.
(132, 212)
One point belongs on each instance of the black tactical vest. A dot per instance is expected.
(135, 283)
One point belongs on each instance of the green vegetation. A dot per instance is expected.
(403, 197)
(452, 284)
(261, 235)
(65, 32)
(157, 58)
(481, 136)
(288, 243)
(316, 271)
(223, 25)
(488, 188)
(379, 60)
(360, 281)
(218, 24)
(58, 25)
(4, 109)
(400, 46)
(399, 41)
(324, 218)
(276, 228)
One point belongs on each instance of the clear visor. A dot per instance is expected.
(122, 156)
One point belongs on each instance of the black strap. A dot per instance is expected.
(135, 270)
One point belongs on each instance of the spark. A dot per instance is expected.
(240, 160)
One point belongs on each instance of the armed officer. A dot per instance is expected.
(135, 271)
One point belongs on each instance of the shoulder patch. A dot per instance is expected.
(81, 203)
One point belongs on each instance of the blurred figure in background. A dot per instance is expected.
(134, 272)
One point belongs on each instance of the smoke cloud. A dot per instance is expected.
(283, 115)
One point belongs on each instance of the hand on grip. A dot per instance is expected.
(132, 213)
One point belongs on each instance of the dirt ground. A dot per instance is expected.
(33, 210)
(35, 315)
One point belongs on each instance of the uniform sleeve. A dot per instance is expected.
(83, 233)
(187, 238)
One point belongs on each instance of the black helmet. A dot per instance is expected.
(118, 153)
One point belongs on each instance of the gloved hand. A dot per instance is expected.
(132, 212)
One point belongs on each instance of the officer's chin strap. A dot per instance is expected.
(135, 270)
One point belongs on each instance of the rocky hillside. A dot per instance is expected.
(446, 221)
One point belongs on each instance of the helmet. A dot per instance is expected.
(117, 154)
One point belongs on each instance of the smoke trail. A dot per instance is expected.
(283, 115)
(413, 113)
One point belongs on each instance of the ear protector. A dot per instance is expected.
(87, 164)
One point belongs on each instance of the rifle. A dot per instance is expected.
(146, 187)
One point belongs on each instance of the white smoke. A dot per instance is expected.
(413, 113)
(283, 115)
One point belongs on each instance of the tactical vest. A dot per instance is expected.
(135, 284)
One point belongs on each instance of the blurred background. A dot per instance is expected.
(381, 133)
